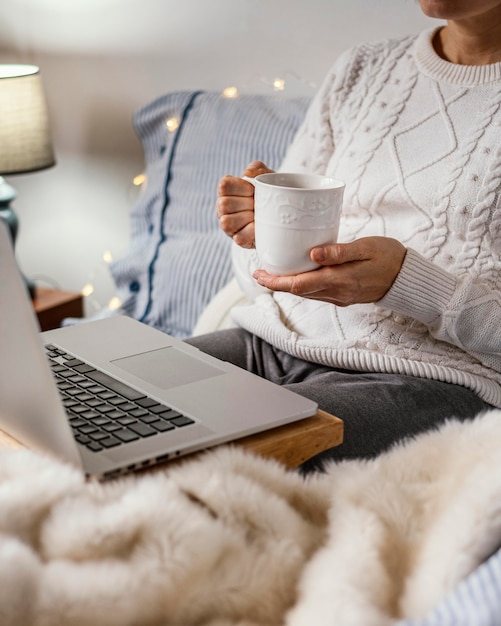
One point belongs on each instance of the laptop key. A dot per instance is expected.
(95, 403)
(126, 420)
(116, 400)
(83, 369)
(69, 402)
(162, 426)
(142, 429)
(147, 419)
(115, 385)
(126, 406)
(170, 414)
(100, 421)
(56, 367)
(66, 373)
(73, 362)
(158, 408)
(114, 415)
(111, 427)
(62, 385)
(182, 421)
(146, 403)
(98, 435)
(88, 429)
(77, 379)
(124, 434)
(76, 422)
(105, 408)
(106, 394)
(78, 408)
(83, 397)
(83, 439)
(109, 442)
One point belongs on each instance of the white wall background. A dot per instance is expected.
(100, 60)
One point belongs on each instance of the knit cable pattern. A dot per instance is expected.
(392, 114)
(441, 204)
(487, 261)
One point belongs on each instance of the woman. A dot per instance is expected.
(400, 328)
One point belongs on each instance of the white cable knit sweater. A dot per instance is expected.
(418, 142)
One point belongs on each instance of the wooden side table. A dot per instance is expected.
(53, 305)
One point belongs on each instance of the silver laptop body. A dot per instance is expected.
(214, 401)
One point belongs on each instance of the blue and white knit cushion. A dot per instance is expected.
(178, 257)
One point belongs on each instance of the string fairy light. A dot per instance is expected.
(230, 92)
(138, 180)
(107, 256)
(279, 84)
(114, 304)
(172, 124)
(87, 290)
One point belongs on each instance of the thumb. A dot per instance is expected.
(334, 254)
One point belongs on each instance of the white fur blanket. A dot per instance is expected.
(230, 539)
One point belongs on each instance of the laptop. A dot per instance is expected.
(114, 395)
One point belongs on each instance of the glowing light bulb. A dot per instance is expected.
(107, 257)
(114, 304)
(279, 84)
(172, 124)
(87, 289)
(138, 180)
(230, 92)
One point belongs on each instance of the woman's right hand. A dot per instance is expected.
(235, 205)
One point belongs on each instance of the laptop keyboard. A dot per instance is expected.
(104, 412)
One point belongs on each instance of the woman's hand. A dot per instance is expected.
(350, 273)
(235, 205)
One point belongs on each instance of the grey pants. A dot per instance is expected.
(377, 409)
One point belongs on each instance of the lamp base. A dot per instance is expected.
(7, 214)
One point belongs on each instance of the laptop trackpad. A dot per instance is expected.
(167, 367)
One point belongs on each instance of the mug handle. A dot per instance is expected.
(250, 180)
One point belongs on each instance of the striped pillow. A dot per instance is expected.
(178, 257)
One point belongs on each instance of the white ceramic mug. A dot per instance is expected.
(293, 213)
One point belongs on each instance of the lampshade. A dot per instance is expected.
(25, 143)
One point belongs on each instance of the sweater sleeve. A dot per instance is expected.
(460, 311)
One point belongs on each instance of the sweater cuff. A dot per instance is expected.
(421, 290)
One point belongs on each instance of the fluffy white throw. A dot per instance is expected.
(231, 539)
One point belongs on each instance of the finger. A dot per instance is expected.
(305, 284)
(234, 186)
(231, 205)
(336, 254)
(245, 237)
(234, 223)
(255, 168)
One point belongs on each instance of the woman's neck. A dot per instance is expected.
(476, 41)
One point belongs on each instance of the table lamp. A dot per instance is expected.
(25, 143)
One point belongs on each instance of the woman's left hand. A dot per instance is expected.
(350, 273)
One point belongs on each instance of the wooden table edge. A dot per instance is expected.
(291, 444)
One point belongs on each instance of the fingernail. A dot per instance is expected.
(318, 255)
